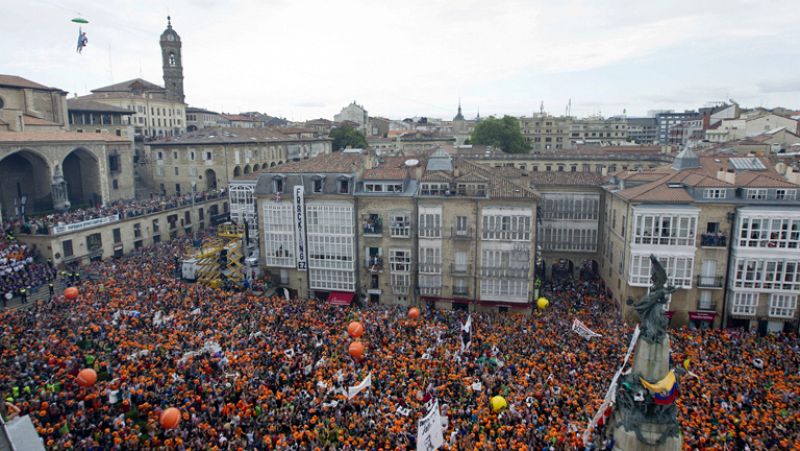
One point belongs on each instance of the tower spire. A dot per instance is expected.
(169, 22)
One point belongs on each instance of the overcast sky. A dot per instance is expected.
(306, 59)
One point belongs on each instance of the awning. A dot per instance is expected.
(702, 316)
(341, 298)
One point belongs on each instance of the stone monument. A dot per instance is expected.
(645, 418)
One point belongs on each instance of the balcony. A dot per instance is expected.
(430, 232)
(713, 240)
(709, 281)
(712, 306)
(374, 264)
(462, 234)
(373, 226)
(459, 269)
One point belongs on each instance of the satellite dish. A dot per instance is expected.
(411, 163)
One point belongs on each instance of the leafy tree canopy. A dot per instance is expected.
(345, 136)
(501, 133)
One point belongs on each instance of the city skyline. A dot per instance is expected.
(420, 58)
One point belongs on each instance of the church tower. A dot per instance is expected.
(172, 63)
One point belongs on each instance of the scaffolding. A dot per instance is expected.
(218, 259)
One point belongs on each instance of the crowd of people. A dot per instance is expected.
(20, 273)
(248, 371)
(125, 209)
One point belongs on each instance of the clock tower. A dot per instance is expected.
(172, 63)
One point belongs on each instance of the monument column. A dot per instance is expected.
(58, 191)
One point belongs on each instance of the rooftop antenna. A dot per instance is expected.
(569, 107)
(541, 107)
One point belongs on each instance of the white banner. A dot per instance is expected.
(430, 434)
(300, 228)
(59, 229)
(353, 391)
(579, 328)
(611, 394)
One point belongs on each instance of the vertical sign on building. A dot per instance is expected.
(299, 218)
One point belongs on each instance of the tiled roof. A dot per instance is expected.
(29, 137)
(92, 106)
(127, 86)
(665, 184)
(19, 82)
(229, 135)
(499, 187)
(385, 173)
(32, 120)
(436, 177)
(335, 162)
(238, 117)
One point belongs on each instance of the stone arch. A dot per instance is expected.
(25, 173)
(280, 162)
(191, 128)
(256, 167)
(211, 179)
(82, 173)
(247, 169)
(563, 268)
(237, 171)
(272, 165)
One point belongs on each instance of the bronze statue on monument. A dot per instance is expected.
(645, 416)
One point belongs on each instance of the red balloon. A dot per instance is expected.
(86, 378)
(413, 313)
(356, 350)
(71, 293)
(355, 329)
(170, 418)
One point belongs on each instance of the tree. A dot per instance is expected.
(345, 136)
(503, 133)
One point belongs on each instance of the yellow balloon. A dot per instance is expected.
(542, 303)
(498, 403)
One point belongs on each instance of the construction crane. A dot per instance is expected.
(218, 259)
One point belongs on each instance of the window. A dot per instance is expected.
(757, 193)
(277, 185)
(400, 226)
(400, 260)
(744, 304)
(344, 186)
(461, 225)
(782, 305)
(115, 184)
(160, 155)
(430, 225)
(714, 193)
(177, 171)
(430, 260)
(279, 234)
(435, 189)
(191, 155)
(666, 230)
(208, 156)
(679, 270)
(785, 194)
(317, 185)
(177, 188)
(66, 246)
(117, 236)
(506, 227)
(137, 230)
(94, 242)
(766, 232)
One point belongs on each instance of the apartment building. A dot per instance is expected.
(545, 132)
(726, 230)
(445, 231)
(601, 131)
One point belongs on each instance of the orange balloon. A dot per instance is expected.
(355, 329)
(356, 350)
(71, 293)
(86, 378)
(413, 313)
(170, 418)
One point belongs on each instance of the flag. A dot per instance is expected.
(356, 389)
(466, 334)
